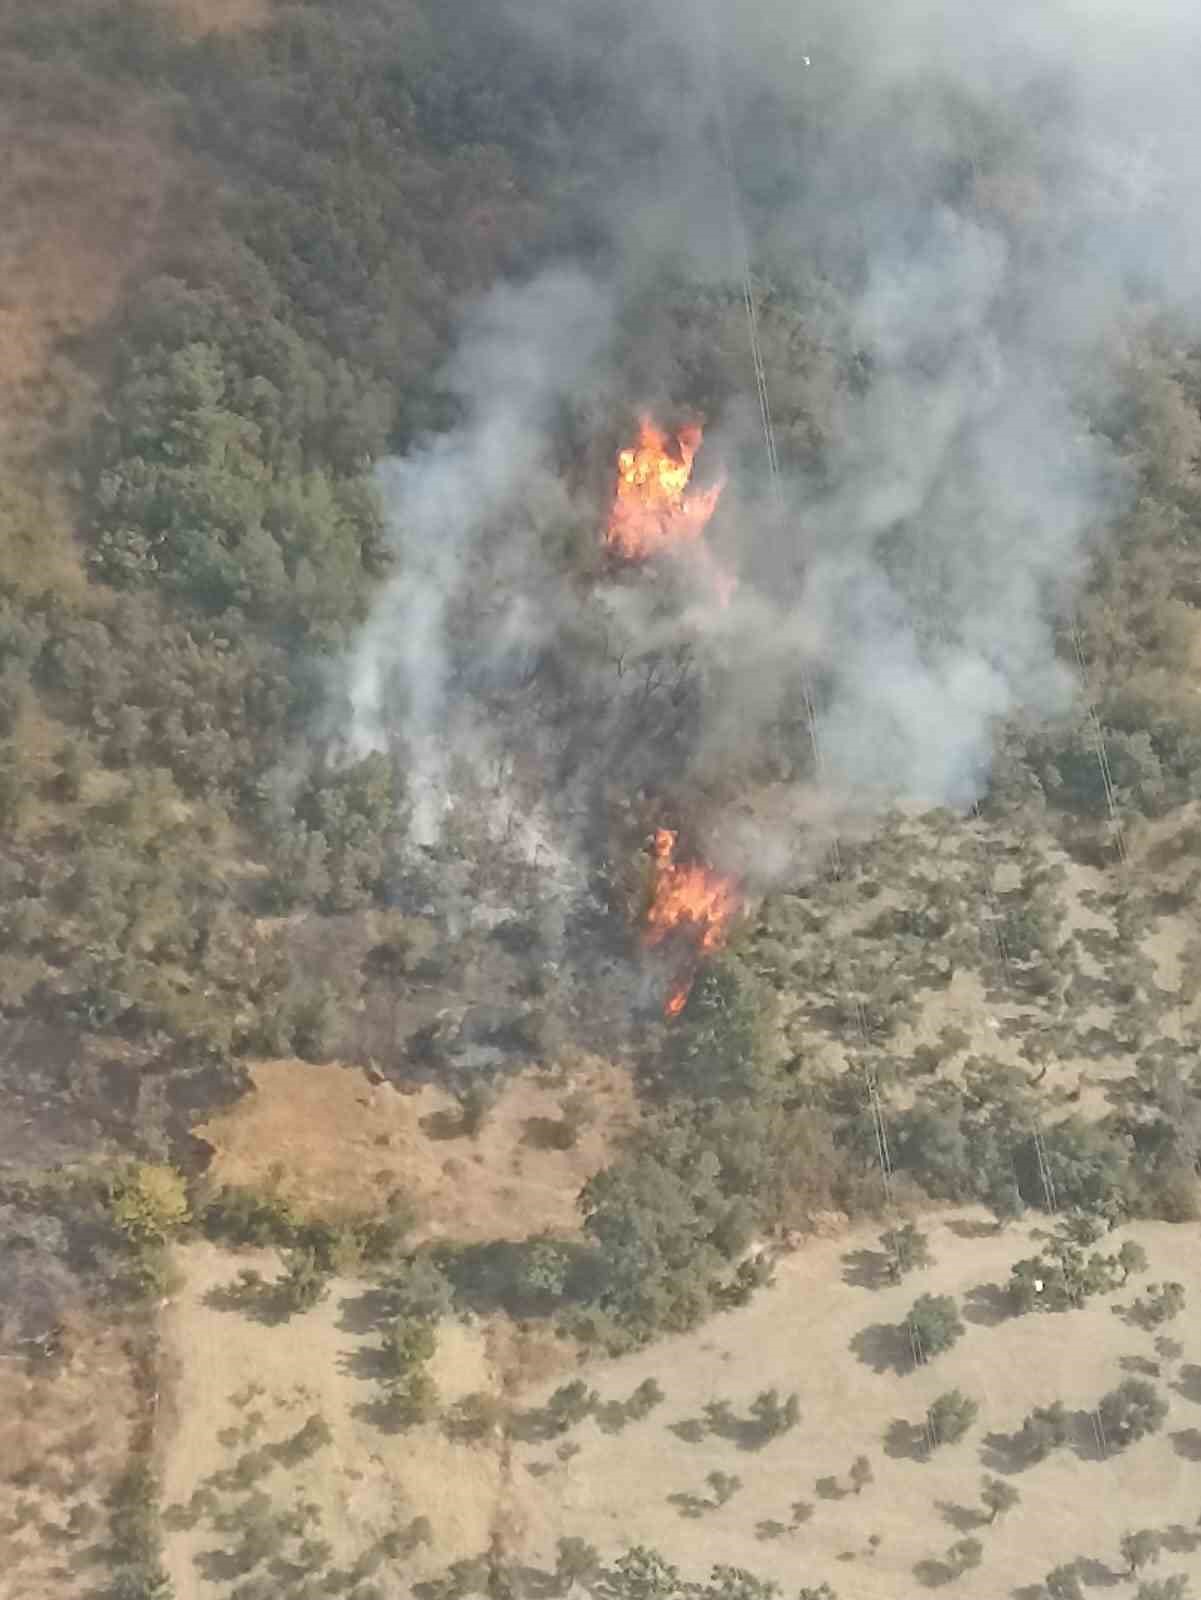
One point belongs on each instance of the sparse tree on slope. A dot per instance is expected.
(998, 1497)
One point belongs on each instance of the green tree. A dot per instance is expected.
(643, 1574)
(907, 1249)
(950, 1416)
(934, 1324)
(1132, 1258)
(861, 1473)
(725, 1486)
(965, 1554)
(1138, 1547)
(149, 1202)
(571, 1403)
(304, 1282)
(1045, 1429)
(576, 1561)
(998, 1497)
(1131, 1411)
(1063, 1583)
(1173, 1588)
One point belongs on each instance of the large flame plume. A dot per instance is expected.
(694, 902)
(654, 510)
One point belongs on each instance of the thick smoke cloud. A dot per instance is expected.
(976, 198)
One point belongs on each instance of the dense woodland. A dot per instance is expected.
(184, 845)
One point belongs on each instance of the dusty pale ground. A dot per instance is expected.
(341, 1143)
(796, 1337)
(615, 1490)
(366, 1482)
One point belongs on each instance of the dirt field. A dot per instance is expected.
(646, 1482)
(364, 1483)
(342, 1143)
(797, 1337)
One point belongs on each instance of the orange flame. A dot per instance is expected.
(653, 510)
(694, 901)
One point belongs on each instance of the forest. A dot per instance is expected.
(207, 549)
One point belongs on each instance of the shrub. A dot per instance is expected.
(934, 1324)
(950, 1416)
(1131, 1411)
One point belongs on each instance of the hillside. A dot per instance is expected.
(600, 624)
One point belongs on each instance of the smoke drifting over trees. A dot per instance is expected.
(953, 217)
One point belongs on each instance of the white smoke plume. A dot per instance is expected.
(974, 198)
(522, 352)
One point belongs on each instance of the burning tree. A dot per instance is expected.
(653, 510)
(692, 902)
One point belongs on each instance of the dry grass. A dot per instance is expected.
(342, 1144)
(195, 18)
(797, 1337)
(366, 1482)
(617, 1487)
(82, 188)
(65, 1434)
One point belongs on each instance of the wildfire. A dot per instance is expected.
(694, 901)
(654, 510)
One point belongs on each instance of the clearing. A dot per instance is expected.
(821, 1332)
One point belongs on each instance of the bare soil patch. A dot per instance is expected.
(340, 1143)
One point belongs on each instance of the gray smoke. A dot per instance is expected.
(969, 203)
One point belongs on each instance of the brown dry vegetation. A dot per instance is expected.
(340, 1143)
(82, 187)
(65, 1435)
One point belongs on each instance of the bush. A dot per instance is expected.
(1131, 1411)
(950, 1417)
(934, 1324)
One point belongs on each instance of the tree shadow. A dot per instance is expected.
(1179, 1539)
(964, 1519)
(536, 1582)
(1082, 1437)
(546, 1133)
(537, 1425)
(691, 1430)
(1188, 1384)
(220, 1566)
(539, 1469)
(386, 1412)
(830, 1489)
(866, 1269)
(443, 1125)
(906, 1441)
(971, 1228)
(368, 1361)
(692, 1506)
(748, 1433)
(987, 1304)
(366, 1312)
(1187, 1443)
(1138, 1314)
(1096, 1575)
(1143, 1365)
(770, 1529)
(255, 1298)
(932, 1573)
(1004, 1453)
(884, 1347)
(612, 1416)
